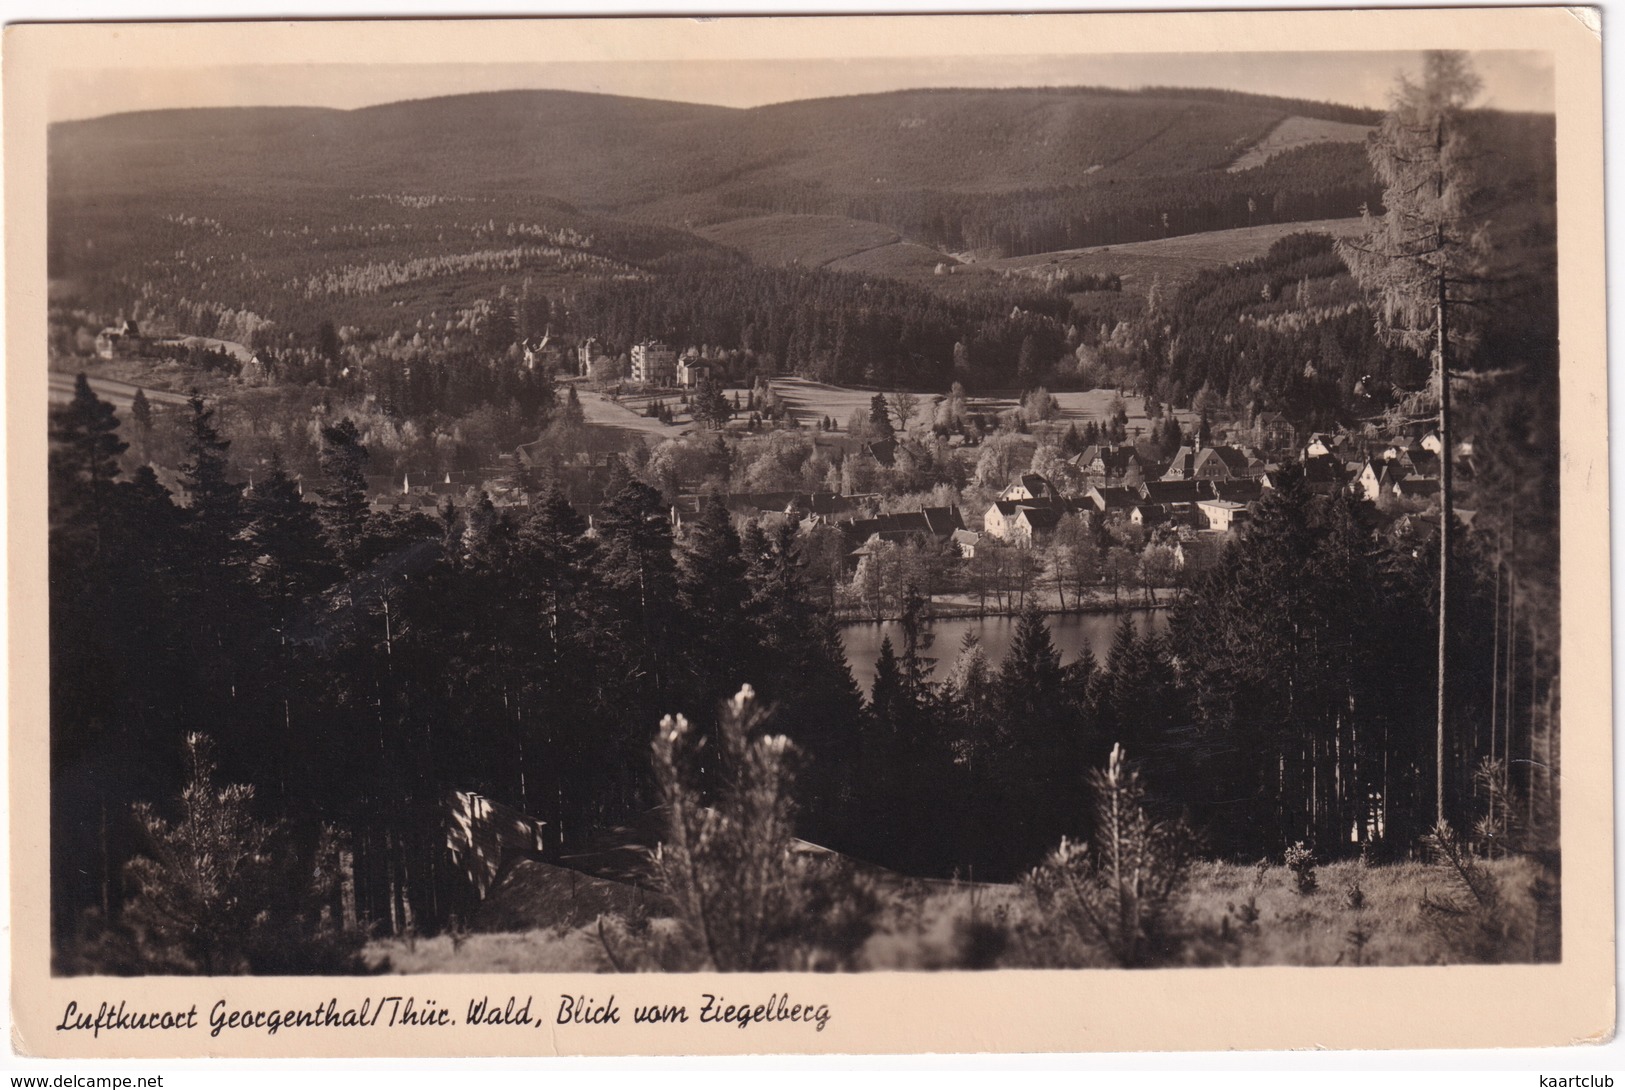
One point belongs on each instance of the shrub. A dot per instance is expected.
(1301, 862)
(1498, 830)
(1120, 895)
(1357, 939)
(745, 900)
(221, 892)
(981, 938)
(1473, 921)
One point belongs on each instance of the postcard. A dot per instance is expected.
(840, 534)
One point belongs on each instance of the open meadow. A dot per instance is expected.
(1229, 914)
(1172, 260)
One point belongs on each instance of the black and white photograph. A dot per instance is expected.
(1069, 510)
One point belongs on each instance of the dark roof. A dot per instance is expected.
(936, 521)
(1114, 499)
(883, 451)
(1234, 460)
(1184, 458)
(1172, 491)
(1418, 486)
(1035, 483)
(1041, 518)
(942, 521)
(1242, 491)
(1114, 459)
(1425, 462)
(897, 537)
(1322, 469)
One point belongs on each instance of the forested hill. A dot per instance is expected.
(936, 165)
(240, 208)
(608, 151)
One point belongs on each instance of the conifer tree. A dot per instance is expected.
(141, 410)
(83, 464)
(344, 495)
(1421, 263)
(709, 403)
(289, 559)
(574, 414)
(713, 595)
(880, 417)
(203, 887)
(637, 625)
(215, 501)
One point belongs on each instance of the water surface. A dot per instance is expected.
(1071, 633)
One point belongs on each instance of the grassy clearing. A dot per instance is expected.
(541, 951)
(1317, 928)
(625, 416)
(898, 259)
(1232, 914)
(1299, 132)
(809, 402)
(1172, 259)
(800, 240)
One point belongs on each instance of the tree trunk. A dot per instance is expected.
(1445, 517)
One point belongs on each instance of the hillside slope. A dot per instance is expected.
(606, 151)
(391, 206)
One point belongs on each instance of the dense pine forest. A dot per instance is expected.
(357, 667)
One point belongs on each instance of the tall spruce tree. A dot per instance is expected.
(713, 594)
(880, 416)
(1421, 263)
(637, 625)
(83, 464)
(214, 500)
(289, 560)
(344, 493)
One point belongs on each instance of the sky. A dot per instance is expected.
(1512, 80)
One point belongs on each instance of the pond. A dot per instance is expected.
(1072, 632)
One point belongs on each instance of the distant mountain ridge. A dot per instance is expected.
(612, 152)
(983, 172)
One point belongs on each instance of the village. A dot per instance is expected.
(1117, 524)
(1080, 511)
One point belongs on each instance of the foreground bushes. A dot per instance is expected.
(746, 899)
(218, 892)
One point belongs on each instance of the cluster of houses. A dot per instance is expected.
(648, 363)
(123, 340)
(1211, 488)
(1199, 499)
(428, 493)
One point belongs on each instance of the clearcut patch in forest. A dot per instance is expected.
(1172, 259)
(810, 241)
(1299, 132)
